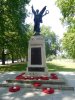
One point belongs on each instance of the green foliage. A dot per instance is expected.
(50, 40)
(69, 44)
(12, 26)
(30, 30)
(67, 8)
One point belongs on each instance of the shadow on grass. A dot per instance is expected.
(14, 67)
(22, 67)
(53, 67)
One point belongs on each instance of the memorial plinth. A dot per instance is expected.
(36, 56)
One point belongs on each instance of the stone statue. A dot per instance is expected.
(38, 19)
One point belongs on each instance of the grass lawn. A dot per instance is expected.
(52, 66)
(61, 65)
(13, 67)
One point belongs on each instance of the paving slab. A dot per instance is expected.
(33, 94)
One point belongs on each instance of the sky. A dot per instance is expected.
(52, 19)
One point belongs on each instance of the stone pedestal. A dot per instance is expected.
(36, 56)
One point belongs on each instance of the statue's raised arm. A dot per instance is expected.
(34, 12)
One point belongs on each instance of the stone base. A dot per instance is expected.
(36, 69)
(36, 56)
(36, 73)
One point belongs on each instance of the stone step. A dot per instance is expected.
(60, 87)
(51, 81)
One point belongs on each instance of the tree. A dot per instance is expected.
(12, 25)
(69, 44)
(50, 40)
(67, 8)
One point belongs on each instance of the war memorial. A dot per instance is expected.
(37, 75)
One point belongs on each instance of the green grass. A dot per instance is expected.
(61, 65)
(65, 63)
(13, 67)
(53, 67)
(22, 67)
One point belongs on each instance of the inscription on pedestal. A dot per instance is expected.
(36, 56)
(36, 69)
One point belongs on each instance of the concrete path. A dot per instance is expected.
(33, 94)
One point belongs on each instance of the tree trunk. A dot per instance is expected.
(12, 58)
(26, 58)
(3, 58)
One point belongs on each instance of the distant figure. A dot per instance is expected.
(38, 19)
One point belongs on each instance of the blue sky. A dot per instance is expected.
(52, 19)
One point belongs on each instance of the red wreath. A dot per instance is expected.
(21, 77)
(14, 88)
(30, 78)
(48, 90)
(36, 84)
(53, 76)
(44, 78)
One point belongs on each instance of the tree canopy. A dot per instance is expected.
(69, 44)
(50, 40)
(67, 8)
(13, 27)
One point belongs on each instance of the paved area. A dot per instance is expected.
(33, 94)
